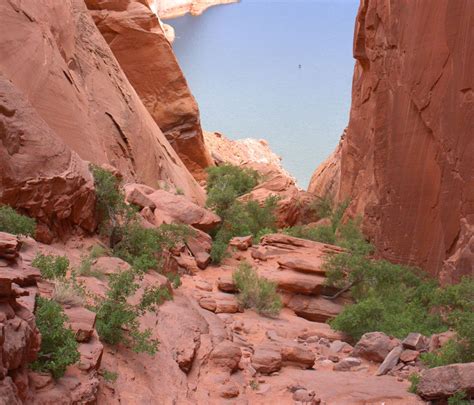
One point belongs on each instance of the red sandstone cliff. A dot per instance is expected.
(136, 37)
(406, 161)
(53, 54)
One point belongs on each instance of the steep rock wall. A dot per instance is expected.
(54, 54)
(406, 161)
(136, 37)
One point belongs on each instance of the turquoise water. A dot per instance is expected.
(242, 64)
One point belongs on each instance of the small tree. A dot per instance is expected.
(50, 266)
(58, 344)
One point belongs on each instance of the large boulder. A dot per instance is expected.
(171, 208)
(316, 309)
(138, 41)
(442, 382)
(375, 346)
(72, 81)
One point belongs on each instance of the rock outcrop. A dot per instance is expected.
(138, 41)
(177, 8)
(405, 161)
(54, 55)
(39, 174)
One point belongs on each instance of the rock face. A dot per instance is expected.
(138, 41)
(54, 55)
(177, 8)
(39, 174)
(405, 161)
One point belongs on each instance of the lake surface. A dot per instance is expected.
(278, 70)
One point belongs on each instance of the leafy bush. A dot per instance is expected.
(459, 398)
(142, 247)
(118, 321)
(226, 183)
(414, 381)
(85, 268)
(12, 222)
(50, 266)
(321, 233)
(242, 219)
(322, 207)
(256, 292)
(58, 344)
(457, 306)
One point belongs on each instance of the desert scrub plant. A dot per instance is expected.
(109, 376)
(226, 183)
(85, 267)
(118, 321)
(51, 266)
(142, 247)
(17, 224)
(322, 233)
(68, 292)
(414, 379)
(256, 292)
(459, 398)
(58, 343)
(242, 219)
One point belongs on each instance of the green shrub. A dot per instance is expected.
(414, 381)
(174, 279)
(322, 207)
(323, 234)
(459, 398)
(226, 183)
(256, 292)
(118, 321)
(12, 222)
(143, 247)
(58, 344)
(242, 219)
(50, 266)
(109, 376)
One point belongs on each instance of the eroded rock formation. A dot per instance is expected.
(177, 8)
(138, 41)
(53, 53)
(406, 160)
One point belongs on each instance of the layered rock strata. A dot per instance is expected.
(177, 8)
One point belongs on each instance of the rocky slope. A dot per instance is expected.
(138, 41)
(405, 161)
(56, 58)
(177, 8)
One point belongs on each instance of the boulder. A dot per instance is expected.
(390, 361)
(294, 282)
(109, 265)
(442, 382)
(311, 265)
(415, 341)
(374, 346)
(316, 309)
(82, 322)
(200, 244)
(226, 355)
(241, 242)
(226, 283)
(297, 355)
(266, 360)
(220, 303)
(408, 355)
(174, 208)
(347, 364)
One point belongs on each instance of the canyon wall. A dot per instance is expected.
(53, 54)
(406, 160)
(177, 8)
(138, 41)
